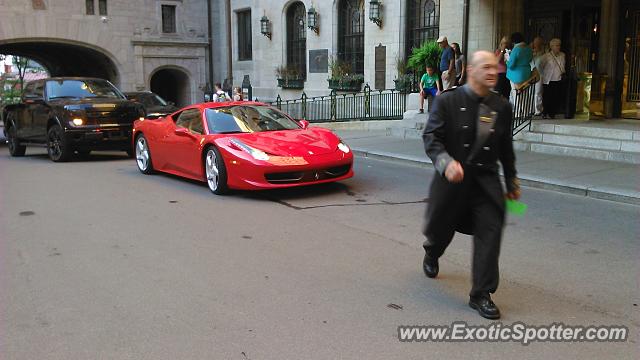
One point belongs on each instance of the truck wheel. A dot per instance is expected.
(57, 146)
(15, 149)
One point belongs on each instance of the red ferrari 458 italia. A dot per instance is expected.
(240, 145)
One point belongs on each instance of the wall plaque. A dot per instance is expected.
(319, 61)
(381, 67)
(38, 5)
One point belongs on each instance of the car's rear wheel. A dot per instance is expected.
(143, 155)
(215, 171)
(15, 149)
(57, 146)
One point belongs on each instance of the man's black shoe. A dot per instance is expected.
(486, 308)
(430, 266)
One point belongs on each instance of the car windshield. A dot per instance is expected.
(147, 99)
(57, 89)
(248, 119)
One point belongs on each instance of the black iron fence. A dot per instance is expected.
(366, 105)
(524, 106)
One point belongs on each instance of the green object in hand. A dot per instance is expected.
(516, 207)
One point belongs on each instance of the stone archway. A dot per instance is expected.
(64, 58)
(172, 85)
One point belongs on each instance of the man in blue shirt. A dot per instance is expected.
(447, 63)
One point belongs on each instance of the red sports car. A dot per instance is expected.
(240, 145)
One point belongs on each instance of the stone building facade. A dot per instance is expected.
(159, 45)
(401, 20)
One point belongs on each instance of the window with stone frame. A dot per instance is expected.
(297, 38)
(244, 35)
(351, 20)
(168, 19)
(90, 5)
(102, 7)
(423, 22)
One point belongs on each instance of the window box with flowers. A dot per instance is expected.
(289, 77)
(342, 78)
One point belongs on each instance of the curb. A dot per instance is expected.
(525, 180)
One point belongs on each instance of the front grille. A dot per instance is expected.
(297, 177)
(121, 116)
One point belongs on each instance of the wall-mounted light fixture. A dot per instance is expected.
(375, 13)
(312, 20)
(265, 26)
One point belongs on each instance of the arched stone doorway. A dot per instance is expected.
(172, 85)
(62, 58)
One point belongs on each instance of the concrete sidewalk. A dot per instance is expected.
(594, 178)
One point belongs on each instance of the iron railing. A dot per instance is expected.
(524, 106)
(365, 105)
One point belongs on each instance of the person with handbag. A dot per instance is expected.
(553, 75)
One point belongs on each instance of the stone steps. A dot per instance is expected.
(584, 141)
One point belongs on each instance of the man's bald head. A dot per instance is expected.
(483, 69)
(481, 56)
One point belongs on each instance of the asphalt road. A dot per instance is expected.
(98, 261)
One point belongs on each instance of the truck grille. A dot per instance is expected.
(123, 116)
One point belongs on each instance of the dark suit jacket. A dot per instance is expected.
(454, 132)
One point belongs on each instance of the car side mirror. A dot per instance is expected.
(182, 132)
(304, 123)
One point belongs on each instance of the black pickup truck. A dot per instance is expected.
(70, 114)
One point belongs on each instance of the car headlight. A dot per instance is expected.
(255, 153)
(343, 147)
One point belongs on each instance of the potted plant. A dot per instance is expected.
(342, 77)
(289, 77)
(404, 79)
(427, 54)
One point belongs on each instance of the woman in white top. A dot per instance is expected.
(538, 52)
(553, 69)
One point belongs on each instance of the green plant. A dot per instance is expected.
(427, 54)
(401, 66)
(342, 76)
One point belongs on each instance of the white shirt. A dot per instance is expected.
(220, 96)
(552, 67)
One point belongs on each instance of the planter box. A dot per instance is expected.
(291, 83)
(348, 85)
(403, 85)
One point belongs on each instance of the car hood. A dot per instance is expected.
(162, 110)
(312, 141)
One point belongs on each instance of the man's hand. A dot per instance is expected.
(454, 172)
(514, 195)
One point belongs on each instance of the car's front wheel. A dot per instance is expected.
(143, 155)
(215, 171)
(57, 146)
(15, 149)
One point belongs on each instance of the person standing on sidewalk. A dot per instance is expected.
(539, 51)
(461, 64)
(519, 64)
(503, 87)
(468, 132)
(447, 63)
(553, 72)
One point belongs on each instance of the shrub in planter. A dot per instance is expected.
(289, 77)
(342, 77)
